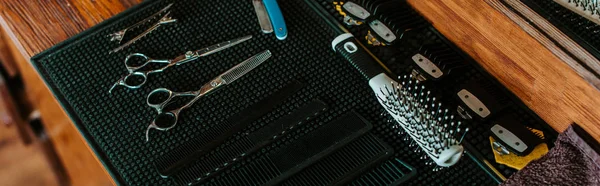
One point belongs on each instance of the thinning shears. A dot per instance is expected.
(137, 77)
(161, 97)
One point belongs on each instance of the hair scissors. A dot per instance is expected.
(161, 97)
(129, 80)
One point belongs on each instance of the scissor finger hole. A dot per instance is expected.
(158, 97)
(135, 80)
(136, 60)
(165, 120)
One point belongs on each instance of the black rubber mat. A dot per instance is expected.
(80, 72)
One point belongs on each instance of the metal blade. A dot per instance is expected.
(222, 46)
(245, 67)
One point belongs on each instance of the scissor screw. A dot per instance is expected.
(189, 54)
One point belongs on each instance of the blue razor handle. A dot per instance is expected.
(276, 18)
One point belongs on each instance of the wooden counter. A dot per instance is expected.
(547, 85)
(33, 26)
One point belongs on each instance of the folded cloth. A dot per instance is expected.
(572, 161)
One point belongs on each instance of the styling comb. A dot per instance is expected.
(346, 164)
(431, 127)
(182, 156)
(391, 172)
(217, 161)
(361, 162)
(296, 154)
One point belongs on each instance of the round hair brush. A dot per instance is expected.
(418, 113)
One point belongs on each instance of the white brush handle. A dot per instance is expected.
(447, 157)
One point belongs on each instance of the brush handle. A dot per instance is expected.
(350, 48)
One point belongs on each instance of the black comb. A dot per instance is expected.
(392, 172)
(236, 150)
(183, 155)
(289, 159)
(346, 164)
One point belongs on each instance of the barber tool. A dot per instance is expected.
(590, 9)
(301, 153)
(353, 13)
(515, 161)
(165, 19)
(420, 115)
(118, 35)
(275, 19)
(435, 62)
(391, 172)
(479, 101)
(218, 161)
(380, 34)
(361, 162)
(161, 97)
(513, 135)
(263, 16)
(395, 20)
(137, 77)
(184, 155)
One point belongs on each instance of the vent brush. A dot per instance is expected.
(429, 125)
(590, 9)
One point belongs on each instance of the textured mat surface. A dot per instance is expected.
(80, 72)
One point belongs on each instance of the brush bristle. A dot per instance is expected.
(431, 127)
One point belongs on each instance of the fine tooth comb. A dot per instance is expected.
(423, 118)
(590, 9)
(218, 161)
(184, 155)
(296, 154)
(392, 172)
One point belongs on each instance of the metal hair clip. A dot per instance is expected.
(119, 35)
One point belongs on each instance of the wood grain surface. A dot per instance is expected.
(543, 82)
(33, 26)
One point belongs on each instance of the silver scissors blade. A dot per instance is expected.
(222, 46)
(244, 67)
